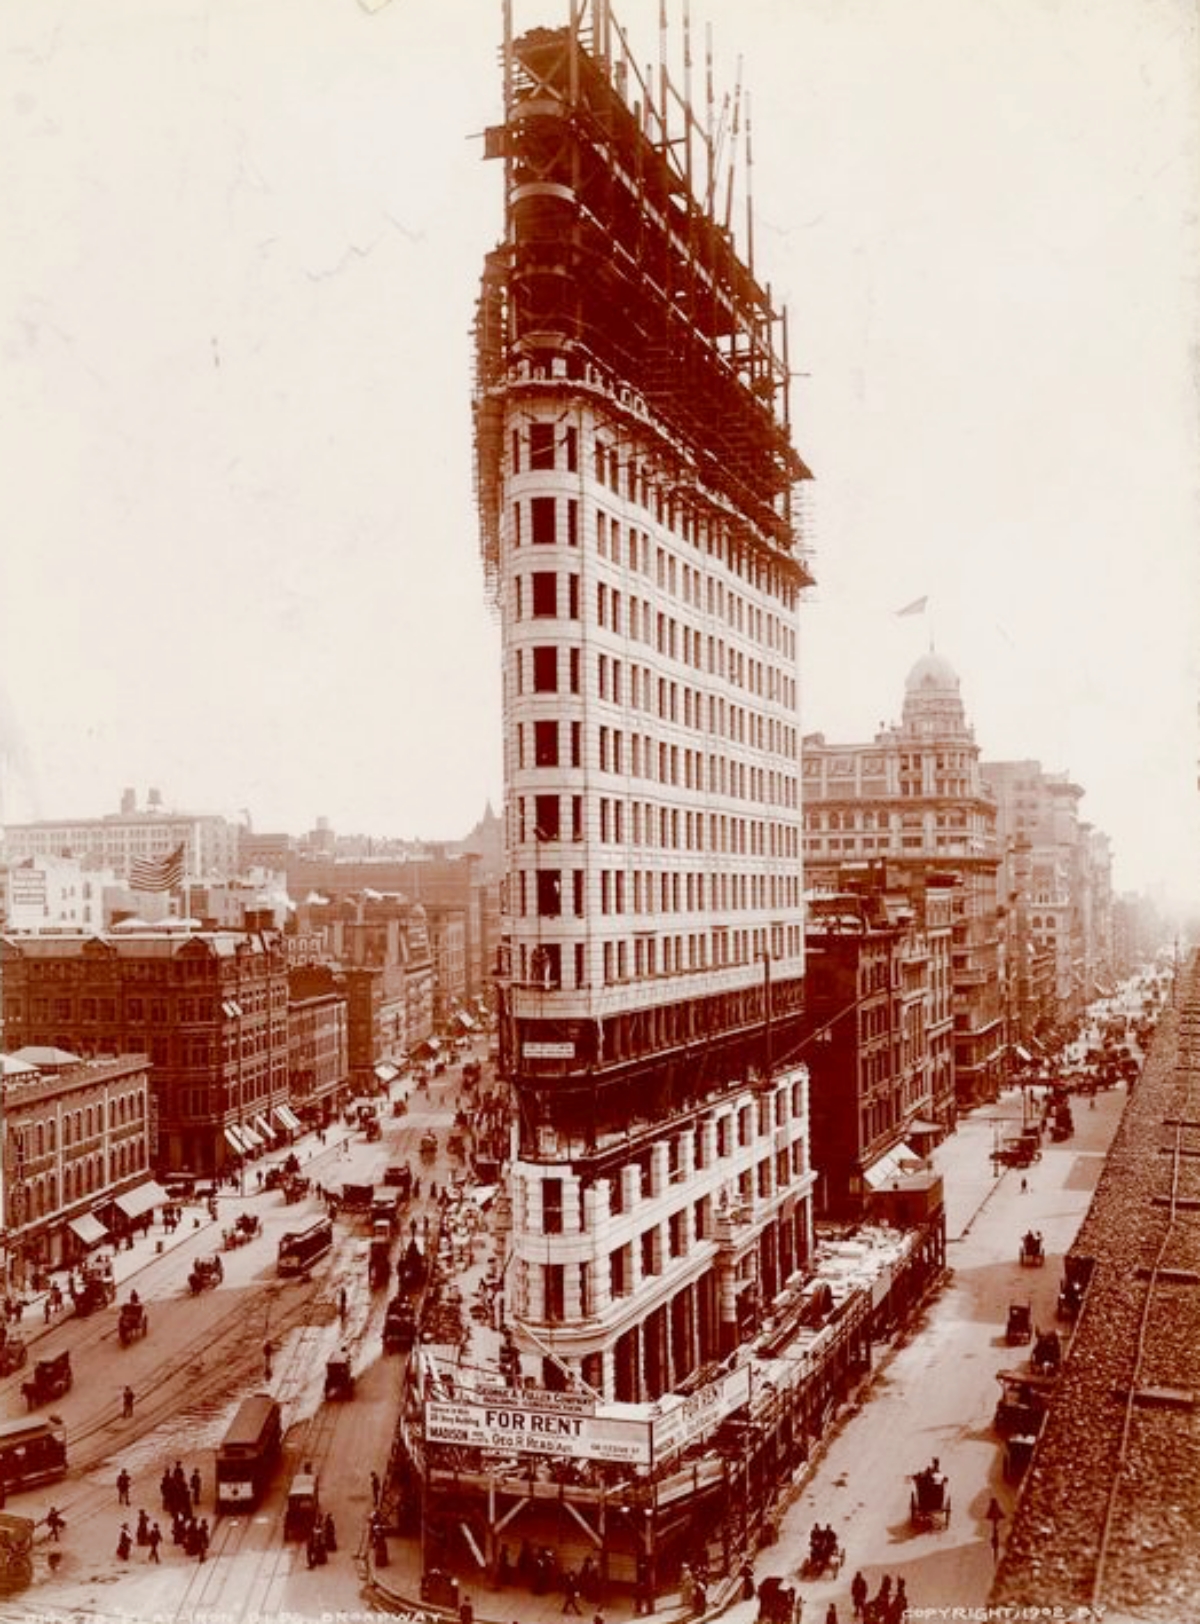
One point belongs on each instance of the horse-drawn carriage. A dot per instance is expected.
(412, 1268)
(206, 1272)
(339, 1378)
(1047, 1353)
(929, 1501)
(50, 1380)
(825, 1555)
(1019, 1326)
(247, 1227)
(16, 1552)
(1022, 1404)
(13, 1352)
(399, 1326)
(379, 1266)
(1033, 1250)
(133, 1321)
(295, 1189)
(778, 1603)
(96, 1291)
(1076, 1274)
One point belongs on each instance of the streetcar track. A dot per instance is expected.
(1124, 1415)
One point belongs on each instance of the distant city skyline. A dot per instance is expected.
(242, 562)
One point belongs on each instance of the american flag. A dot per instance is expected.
(157, 874)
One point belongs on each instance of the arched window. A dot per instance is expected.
(51, 1191)
(51, 1134)
(41, 1139)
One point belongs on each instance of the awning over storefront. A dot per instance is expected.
(1022, 1054)
(143, 1199)
(461, 1018)
(249, 1135)
(892, 1166)
(918, 1128)
(88, 1229)
(429, 1046)
(386, 1072)
(233, 1140)
(265, 1127)
(289, 1118)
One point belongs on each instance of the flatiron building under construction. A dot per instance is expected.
(636, 482)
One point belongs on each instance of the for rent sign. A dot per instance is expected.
(685, 1420)
(534, 1429)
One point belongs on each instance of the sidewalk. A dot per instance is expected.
(128, 1261)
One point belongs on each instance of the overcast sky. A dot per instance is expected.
(242, 243)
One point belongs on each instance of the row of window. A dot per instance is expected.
(670, 828)
(551, 743)
(541, 445)
(661, 1243)
(765, 628)
(635, 619)
(642, 891)
(638, 621)
(545, 964)
(84, 1122)
(38, 1196)
(860, 818)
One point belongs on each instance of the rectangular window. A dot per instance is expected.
(620, 1270)
(542, 521)
(549, 892)
(577, 893)
(552, 1206)
(572, 597)
(541, 445)
(577, 744)
(575, 669)
(576, 814)
(545, 669)
(545, 593)
(650, 1252)
(545, 744)
(546, 814)
(554, 1276)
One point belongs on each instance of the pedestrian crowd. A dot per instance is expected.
(889, 1605)
(180, 1495)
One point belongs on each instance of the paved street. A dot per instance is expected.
(202, 1354)
(932, 1396)
(935, 1395)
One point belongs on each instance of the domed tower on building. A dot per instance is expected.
(933, 701)
(915, 800)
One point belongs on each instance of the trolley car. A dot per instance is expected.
(299, 1249)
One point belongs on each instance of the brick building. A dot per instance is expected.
(915, 796)
(208, 1008)
(76, 1144)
